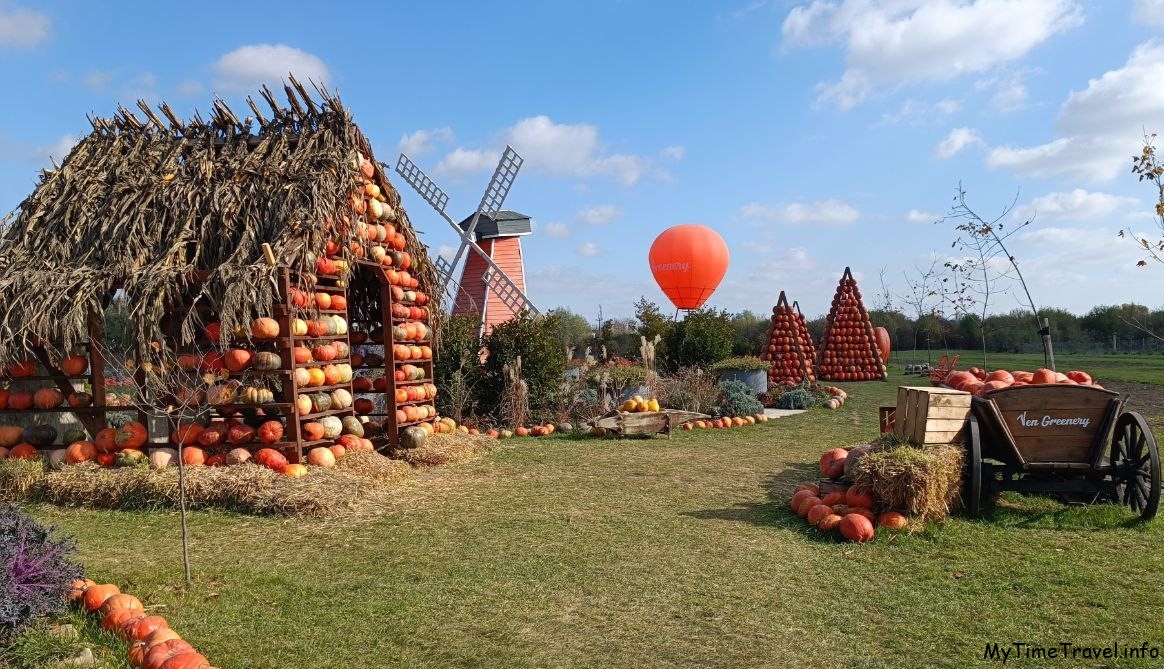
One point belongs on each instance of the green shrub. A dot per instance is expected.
(741, 363)
(737, 399)
(543, 363)
(798, 398)
(458, 367)
(702, 338)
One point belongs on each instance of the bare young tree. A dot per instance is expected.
(168, 388)
(924, 298)
(987, 268)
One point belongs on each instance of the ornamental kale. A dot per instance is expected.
(36, 572)
(736, 398)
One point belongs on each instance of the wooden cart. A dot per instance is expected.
(1076, 442)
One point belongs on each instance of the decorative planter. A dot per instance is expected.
(757, 380)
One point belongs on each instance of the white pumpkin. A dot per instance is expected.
(345, 372)
(332, 426)
(160, 458)
(341, 399)
(237, 456)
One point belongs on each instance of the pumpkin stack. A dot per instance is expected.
(848, 351)
(805, 336)
(787, 348)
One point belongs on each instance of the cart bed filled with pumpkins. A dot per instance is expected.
(1049, 435)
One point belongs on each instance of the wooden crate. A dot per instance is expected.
(929, 415)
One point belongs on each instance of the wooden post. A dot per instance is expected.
(1048, 351)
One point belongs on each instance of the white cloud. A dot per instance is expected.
(1077, 204)
(916, 110)
(420, 142)
(890, 43)
(918, 216)
(1149, 12)
(559, 149)
(248, 67)
(447, 251)
(1101, 126)
(98, 80)
(824, 212)
(58, 150)
(20, 27)
(190, 88)
(749, 8)
(557, 230)
(464, 161)
(958, 139)
(589, 249)
(600, 215)
(674, 152)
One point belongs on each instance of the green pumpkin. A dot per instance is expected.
(320, 402)
(412, 437)
(40, 435)
(130, 457)
(267, 361)
(352, 425)
(73, 434)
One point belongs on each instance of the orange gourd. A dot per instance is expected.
(74, 365)
(95, 595)
(80, 451)
(265, 328)
(121, 602)
(856, 527)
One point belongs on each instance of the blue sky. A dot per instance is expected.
(811, 134)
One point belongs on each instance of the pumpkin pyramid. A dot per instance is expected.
(805, 335)
(787, 350)
(847, 349)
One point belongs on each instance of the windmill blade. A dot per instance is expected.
(424, 186)
(444, 271)
(502, 181)
(507, 291)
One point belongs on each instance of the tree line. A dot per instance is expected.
(708, 335)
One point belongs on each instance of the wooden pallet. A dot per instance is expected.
(625, 424)
(929, 415)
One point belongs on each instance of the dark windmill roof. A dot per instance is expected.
(504, 223)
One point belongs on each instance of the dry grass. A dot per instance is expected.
(450, 449)
(922, 481)
(360, 480)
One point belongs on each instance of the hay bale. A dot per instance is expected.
(447, 449)
(18, 478)
(924, 481)
(246, 488)
(374, 467)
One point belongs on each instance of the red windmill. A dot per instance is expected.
(492, 281)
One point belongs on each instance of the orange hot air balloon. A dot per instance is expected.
(688, 262)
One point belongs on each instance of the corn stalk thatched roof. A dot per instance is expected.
(144, 202)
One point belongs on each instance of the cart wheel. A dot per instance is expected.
(1135, 462)
(972, 479)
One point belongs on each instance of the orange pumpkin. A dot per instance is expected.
(829, 523)
(294, 471)
(113, 620)
(80, 451)
(20, 370)
(158, 655)
(1044, 376)
(78, 588)
(265, 328)
(818, 512)
(192, 455)
(893, 520)
(806, 504)
(20, 400)
(238, 359)
(859, 496)
(312, 431)
(834, 498)
(74, 365)
(146, 626)
(47, 398)
(96, 595)
(131, 435)
(321, 457)
(187, 433)
(856, 527)
(121, 602)
(301, 354)
(160, 636)
(23, 452)
(832, 463)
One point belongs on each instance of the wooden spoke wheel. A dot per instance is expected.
(1135, 463)
(972, 473)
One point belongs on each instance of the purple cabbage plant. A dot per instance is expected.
(36, 571)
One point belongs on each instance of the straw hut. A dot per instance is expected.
(269, 250)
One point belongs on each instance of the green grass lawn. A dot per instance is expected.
(1141, 368)
(566, 552)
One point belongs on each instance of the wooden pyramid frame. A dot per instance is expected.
(775, 353)
(871, 368)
